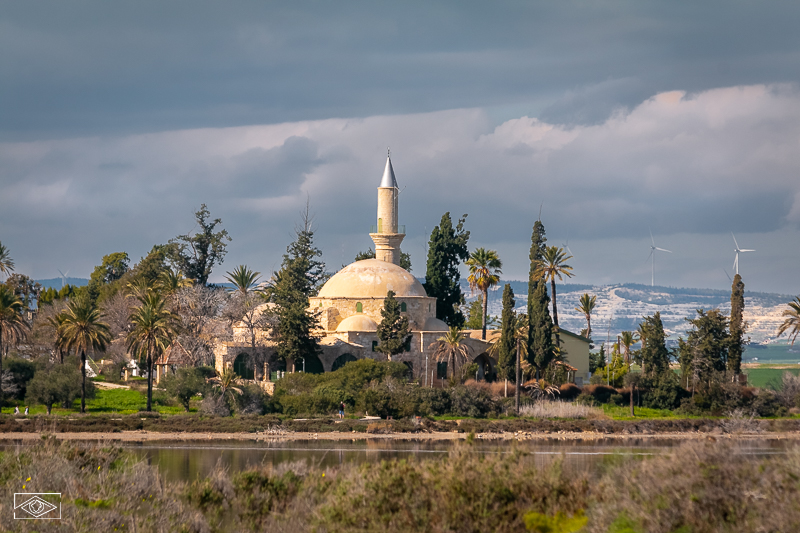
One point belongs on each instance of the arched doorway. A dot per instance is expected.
(342, 360)
(312, 365)
(243, 366)
(485, 367)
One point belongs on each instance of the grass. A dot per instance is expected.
(623, 412)
(120, 401)
(558, 409)
(767, 377)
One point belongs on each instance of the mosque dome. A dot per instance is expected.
(434, 324)
(371, 278)
(357, 323)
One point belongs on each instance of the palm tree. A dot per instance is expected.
(484, 270)
(56, 323)
(171, 281)
(792, 322)
(82, 329)
(6, 263)
(226, 383)
(586, 306)
(12, 325)
(628, 339)
(553, 265)
(450, 347)
(243, 279)
(154, 329)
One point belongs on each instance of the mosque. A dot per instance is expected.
(349, 307)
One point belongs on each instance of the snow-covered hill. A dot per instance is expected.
(621, 307)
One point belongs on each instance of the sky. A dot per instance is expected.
(614, 118)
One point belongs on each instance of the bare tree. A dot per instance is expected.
(249, 313)
(201, 321)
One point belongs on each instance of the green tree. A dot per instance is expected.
(405, 259)
(13, 326)
(6, 263)
(553, 265)
(538, 244)
(654, 354)
(484, 273)
(447, 249)
(290, 289)
(450, 348)
(54, 384)
(112, 268)
(154, 328)
(792, 321)
(244, 280)
(184, 385)
(586, 307)
(195, 255)
(704, 354)
(737, 326)
(540, 331)
(507, 351)
(153, 265)
(83, 329)
(394, 333)
(26, 289)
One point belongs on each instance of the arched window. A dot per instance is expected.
(359, 307)
(403, 307)
(374, 346)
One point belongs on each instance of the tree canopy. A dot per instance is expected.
(447, 249)
(195, 255)
(394, 332)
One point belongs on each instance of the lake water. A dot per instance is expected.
(188, 461)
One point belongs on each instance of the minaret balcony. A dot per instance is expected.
(401, 230)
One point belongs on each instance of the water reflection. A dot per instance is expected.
(187, 461)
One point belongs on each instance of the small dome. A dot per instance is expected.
(357, 323)
(434, 324)
(371, 278)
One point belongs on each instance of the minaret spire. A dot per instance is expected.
(388, 234)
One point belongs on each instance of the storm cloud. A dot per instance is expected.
(692, 167)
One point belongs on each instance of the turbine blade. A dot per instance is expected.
(651, 237)
(648, 257)
(729, 276)
(734, 240)
(747, 250)
(663, 250)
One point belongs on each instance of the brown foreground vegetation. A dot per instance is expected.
(698, 488)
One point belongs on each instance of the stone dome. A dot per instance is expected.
(357, 323)
(371, 278)
(434, 324)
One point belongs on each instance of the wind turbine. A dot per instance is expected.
(653, 249)
(63, 278)
(736, 260)
(566, 247)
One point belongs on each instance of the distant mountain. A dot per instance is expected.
(621, 307)
(55, 283)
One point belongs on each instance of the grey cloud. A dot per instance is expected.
(91, 67)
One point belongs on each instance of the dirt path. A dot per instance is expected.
(153, 436)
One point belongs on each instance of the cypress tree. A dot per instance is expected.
(394, 332)
(297, 279)
(506, 354)
(447, 249)
(737, 326)
(538, 244)
(654, 353)
(540, 331)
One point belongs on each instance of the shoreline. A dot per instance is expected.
(132, 437)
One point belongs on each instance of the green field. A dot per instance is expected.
(121, 401)
(767, 377)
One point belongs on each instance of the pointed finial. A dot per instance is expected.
(388, 152)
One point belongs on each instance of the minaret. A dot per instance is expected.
(387, 234)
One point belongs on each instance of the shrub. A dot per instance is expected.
(22, 371)
(253, 400)
(55, 383)
(662, 391)
(569, 391)
(466, 401)
(559, 409)
(184, 385)
(601, 393)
